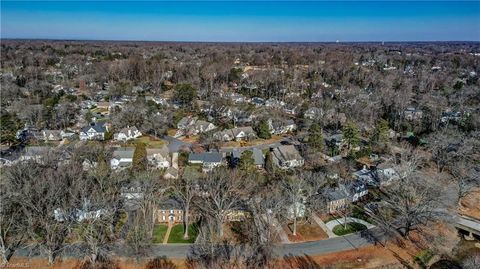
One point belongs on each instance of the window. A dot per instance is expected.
(171, 211)
(163, 211)
(163, 218)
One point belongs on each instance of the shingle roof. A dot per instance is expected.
(123, 153)
(258, 157)
(206, 157)
(97, 126)
(287, 152)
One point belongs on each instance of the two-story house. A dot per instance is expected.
(93, 131)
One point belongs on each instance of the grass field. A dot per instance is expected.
(176, 234)
(351, 228)
(150, 142)
(159, 232)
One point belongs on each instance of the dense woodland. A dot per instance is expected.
(361, 89)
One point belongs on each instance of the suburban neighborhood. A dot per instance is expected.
(252, 154)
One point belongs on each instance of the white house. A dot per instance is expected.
(94, 131)
(126, 134)
(158, 157)
(121, 158)
(287, 156)
(240, 133)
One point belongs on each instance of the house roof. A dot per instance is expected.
(36, 150)
(336, 193)
(170, 204)
(286, 152)
(206, 157)
(123, 153)
(258, 157)
(99, 127)
(125, 130)
(163, 151)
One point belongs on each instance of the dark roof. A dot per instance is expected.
(206, 157)
(99, 127)
(170, 204)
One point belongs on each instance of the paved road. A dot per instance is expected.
(341, 243)
(175, 144)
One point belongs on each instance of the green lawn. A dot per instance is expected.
(159, 232)
(176, 234)
(150, 141)
(351, 228)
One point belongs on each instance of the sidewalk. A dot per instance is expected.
(323, 226)
(331, 224)
(167, 234)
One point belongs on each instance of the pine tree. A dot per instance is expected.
(140, 162)
(246, 160)
(351, 135)
(263, 130)
(381, 131)
(269, 163)
(316, 137)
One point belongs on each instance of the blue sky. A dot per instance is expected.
(243, 21)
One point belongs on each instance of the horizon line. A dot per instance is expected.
(219, 41)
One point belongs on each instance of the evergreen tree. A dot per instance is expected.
(315, 137)
(351, 135)
(263, 130)
(246, 160)
(269, 166)
(381, 131)
(140, 162)
(9, 124)
(184, 94)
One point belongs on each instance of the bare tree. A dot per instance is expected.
(410, 203)
(12, 224)
(184, 190)
(43, 189)
(295, 191)
(220, 192)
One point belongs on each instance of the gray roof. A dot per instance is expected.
(336, 193)
(170, 204)
(206, 157)
(258, 157)
(99, 127)
(36, 150)
(123, 153)
(287, 152)
(162, 151)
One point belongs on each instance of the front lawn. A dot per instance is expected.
(176, 234)
(159, 232)
(351, 228)
(150, 141)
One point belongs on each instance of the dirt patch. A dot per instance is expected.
(469, 204)
(70, 263)
(306, 231)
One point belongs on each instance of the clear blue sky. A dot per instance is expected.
(243, 21)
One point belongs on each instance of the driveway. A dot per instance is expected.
(174, 144)
(331, 224)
